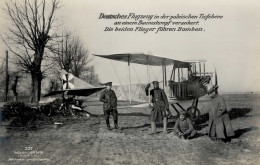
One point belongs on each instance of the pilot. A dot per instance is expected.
(160, 106)
(108, 97)
(220, 127)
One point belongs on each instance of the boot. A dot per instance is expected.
(108, 125)
(116, 125)
(153, 126)
(164, 125)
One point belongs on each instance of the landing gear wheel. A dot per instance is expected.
(194, 113)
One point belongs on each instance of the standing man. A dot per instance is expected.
(220, 127)
(160, 106)
(108, 97)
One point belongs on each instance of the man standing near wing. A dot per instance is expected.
(108, 97)
(160, 106)
(220, 127)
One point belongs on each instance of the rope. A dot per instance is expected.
(139, 81)
(118, 79)
(159, 74)
(169, 72)
(2, 65)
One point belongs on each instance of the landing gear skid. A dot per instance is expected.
(192, 111)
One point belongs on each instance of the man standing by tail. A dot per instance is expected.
(108, 97)
(160, 106)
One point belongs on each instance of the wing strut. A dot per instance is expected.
(148, 78)
(179, 81)
(129, 78)
(164, 74)
(204, 69)
(200, 68)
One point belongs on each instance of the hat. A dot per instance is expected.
(106, 84)
(155, 82)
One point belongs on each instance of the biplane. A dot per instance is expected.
(177, 87)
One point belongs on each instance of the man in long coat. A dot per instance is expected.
(160, 106)
(108, 97)
(219, 122)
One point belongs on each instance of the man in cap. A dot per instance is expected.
(183, 127)
(160, 106)
(108, 97)
(220, 127)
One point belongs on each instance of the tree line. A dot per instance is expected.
(39, 48)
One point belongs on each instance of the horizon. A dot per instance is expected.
(229, 44)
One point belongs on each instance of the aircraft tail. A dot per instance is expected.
(69, 81)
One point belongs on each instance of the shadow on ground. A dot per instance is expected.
(133, 114)
(234, 113)
(240, 132)
(141, 126)
(239, 112)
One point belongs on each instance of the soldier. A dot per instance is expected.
(183, 127)
(108, 97)
(220, 127)
(160, 106)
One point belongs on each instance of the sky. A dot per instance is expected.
(231, 44)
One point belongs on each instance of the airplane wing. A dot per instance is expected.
(76, 92)
(144, 59)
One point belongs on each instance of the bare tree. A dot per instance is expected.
(72, 56)
(3, 82)
(53, 84)
(29, 35)
(91, 77)
(14, 78)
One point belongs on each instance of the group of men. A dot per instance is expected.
(220, 127)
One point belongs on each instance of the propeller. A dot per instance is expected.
(216, 81)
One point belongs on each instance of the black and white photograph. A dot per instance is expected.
(148, 82)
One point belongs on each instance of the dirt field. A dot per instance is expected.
(82, 140)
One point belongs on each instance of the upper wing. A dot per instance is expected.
(76, 92)
(140, 58)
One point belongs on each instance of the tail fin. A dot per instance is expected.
(69, 81)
